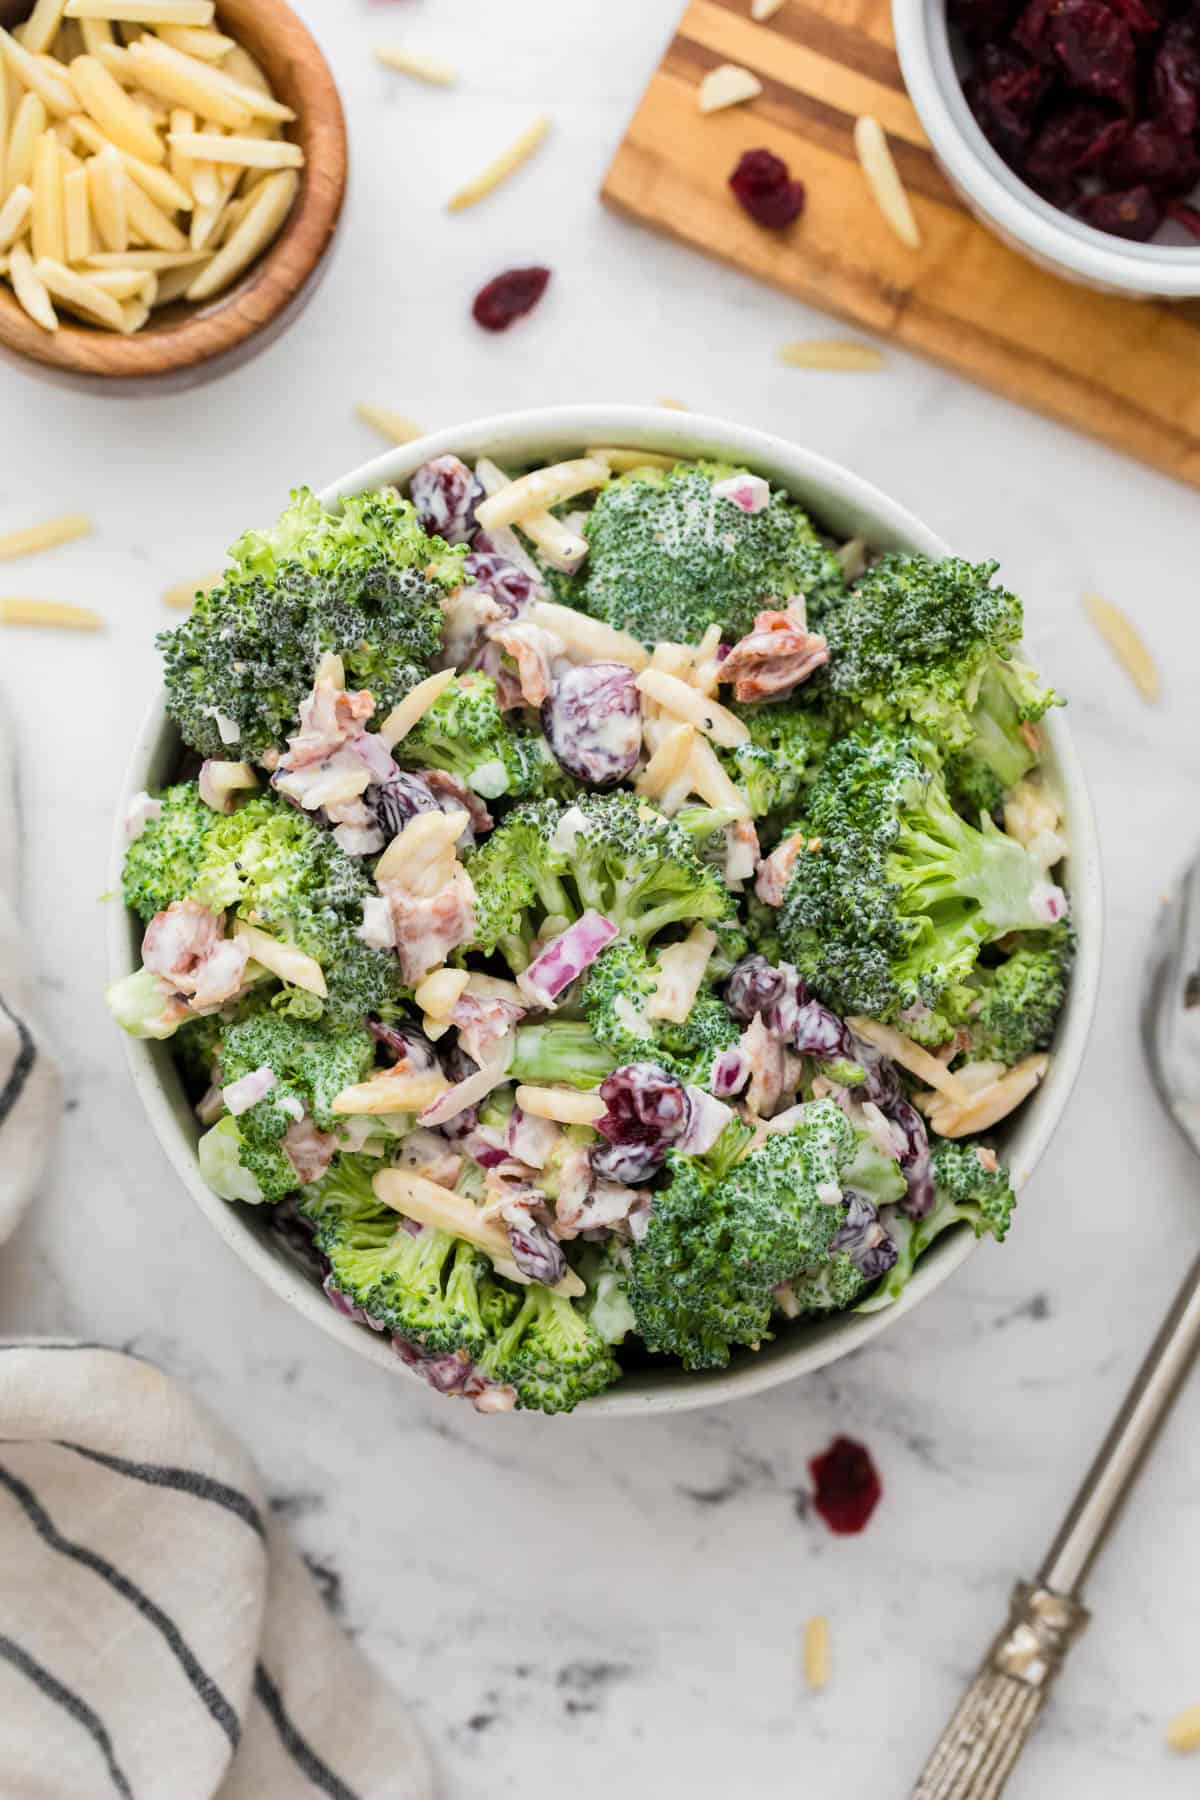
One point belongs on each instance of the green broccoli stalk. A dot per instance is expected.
(891, 911)
(609, 852)
(616, 991)
(668, 558)
(703, 1277)
(364, 582)
(968, 1190)
(465, 733)
(560, 1050)
(1017, 1002)
(999, 754)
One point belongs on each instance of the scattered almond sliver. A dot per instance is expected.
(883, 179)
(672, 405)
(180, 597)
(44, 537)
(49, 613)
(1127, 645)
(506, 164)
(391, 424)
(762, 10)
(1183, 1733)
(621, 461)
(831, 353)
(911, 1056)
(816, 1653)
(564, 1105)
(727, 85)
(410, 62)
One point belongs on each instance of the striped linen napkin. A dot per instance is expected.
(159, 1637)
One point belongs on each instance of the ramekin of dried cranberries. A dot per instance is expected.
(1071, 127)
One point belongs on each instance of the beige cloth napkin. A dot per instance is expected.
(159, 1637)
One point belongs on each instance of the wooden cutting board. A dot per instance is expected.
(1126, 371)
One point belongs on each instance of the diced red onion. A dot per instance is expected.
(730, 1072)
(241, 1095)
(748, 492)
(566, 957)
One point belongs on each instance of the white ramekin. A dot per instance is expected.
(843, 504)
(1047, 235)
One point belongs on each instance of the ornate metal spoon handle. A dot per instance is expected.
(977, 1751)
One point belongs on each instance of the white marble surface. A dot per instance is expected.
(618, 1606)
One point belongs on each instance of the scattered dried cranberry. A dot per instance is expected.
(1095, 48)
(848, 1486)
(1080, 136)
(1126, 212)
(1141, 19)
(509, 296)
(1175, 78)
(763, 184)
(1185, 215)
(1003, 94)
(980, 20)
(1032, 31)
(1153, 154)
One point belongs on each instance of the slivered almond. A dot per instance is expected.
(494, 987)
(423, 850)
(415, 704)
(540, 489)
(15, 212)
(590, 639)
(560, 547)
(411, 62)
(624, 460)
(77, 292)
(665, 777)
(16, 611)
(981, 1110)
(762, 10)
(30, 289)
(44, 537)
(816, 1653)
(1127, 645)
(393, 1091)
(727, 85)
(220, 781)
(711, 782)
(911, 1056)
(831, 353)
(393, 425)
(678, 974)
(565, 1105)
(883, 179)
(672, 405)
(506, 164)
(443, 1210)
(1183, 1733)
(683, 701)
(291, 965)
(440, 992)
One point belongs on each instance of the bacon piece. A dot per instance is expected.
(428, 928)
(309, 1151)
(775, 657)
(773, 871)
(443, 782)
(482, 1022)
(768, 1067)
(329, 718)
(184, 947)
(533, 649)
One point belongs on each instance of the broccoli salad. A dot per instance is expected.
(600, 918)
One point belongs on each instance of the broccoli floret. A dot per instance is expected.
(365, 582)
(892, 909)
(1018, 1001)
(616, 990)
(827, 1287)
(551, 1354)
(611, 852)
(465, 733)
(911, 641)
(196, 1048)
(560, 1050)
(788, 740)
(277, 869)
(1012, 696)
(161, 864)
(667, 559)
(704, 1275)
(967, 1191)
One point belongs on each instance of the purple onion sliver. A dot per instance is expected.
(566, 957)
(730, 1072)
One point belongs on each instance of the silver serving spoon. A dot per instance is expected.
(979, 1748)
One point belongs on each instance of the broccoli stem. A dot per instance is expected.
(561, 1050)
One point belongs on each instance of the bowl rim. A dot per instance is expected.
(554, 431)
(1163, 271)
(264, 293)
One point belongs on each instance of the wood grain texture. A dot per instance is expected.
(1122, 370)
(185, 343)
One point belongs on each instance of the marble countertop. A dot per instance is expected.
(619, 1605)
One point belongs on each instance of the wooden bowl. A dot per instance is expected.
(185, 344)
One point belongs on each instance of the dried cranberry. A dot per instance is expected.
(1081, 135)
(1032, 31)
(763, 183)
(865, 1241)
(818, 1032)
(1126, 212)
(1153, 154)
(980, 21)
(509, 296)
(1185, 215)
(535, 1252)
(914, 1158)
(753, 987)
(1175, 77)
(593, 720)
(848, 1487)
(394, 802)
(512, 588)
(1095, 50)
(445, 494)
(1141, 19)
(648, 1111)
(1004, 94)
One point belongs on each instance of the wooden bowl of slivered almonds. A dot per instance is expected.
(172, 173)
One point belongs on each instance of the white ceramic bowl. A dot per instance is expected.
(1026, 222)
(844, 505)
